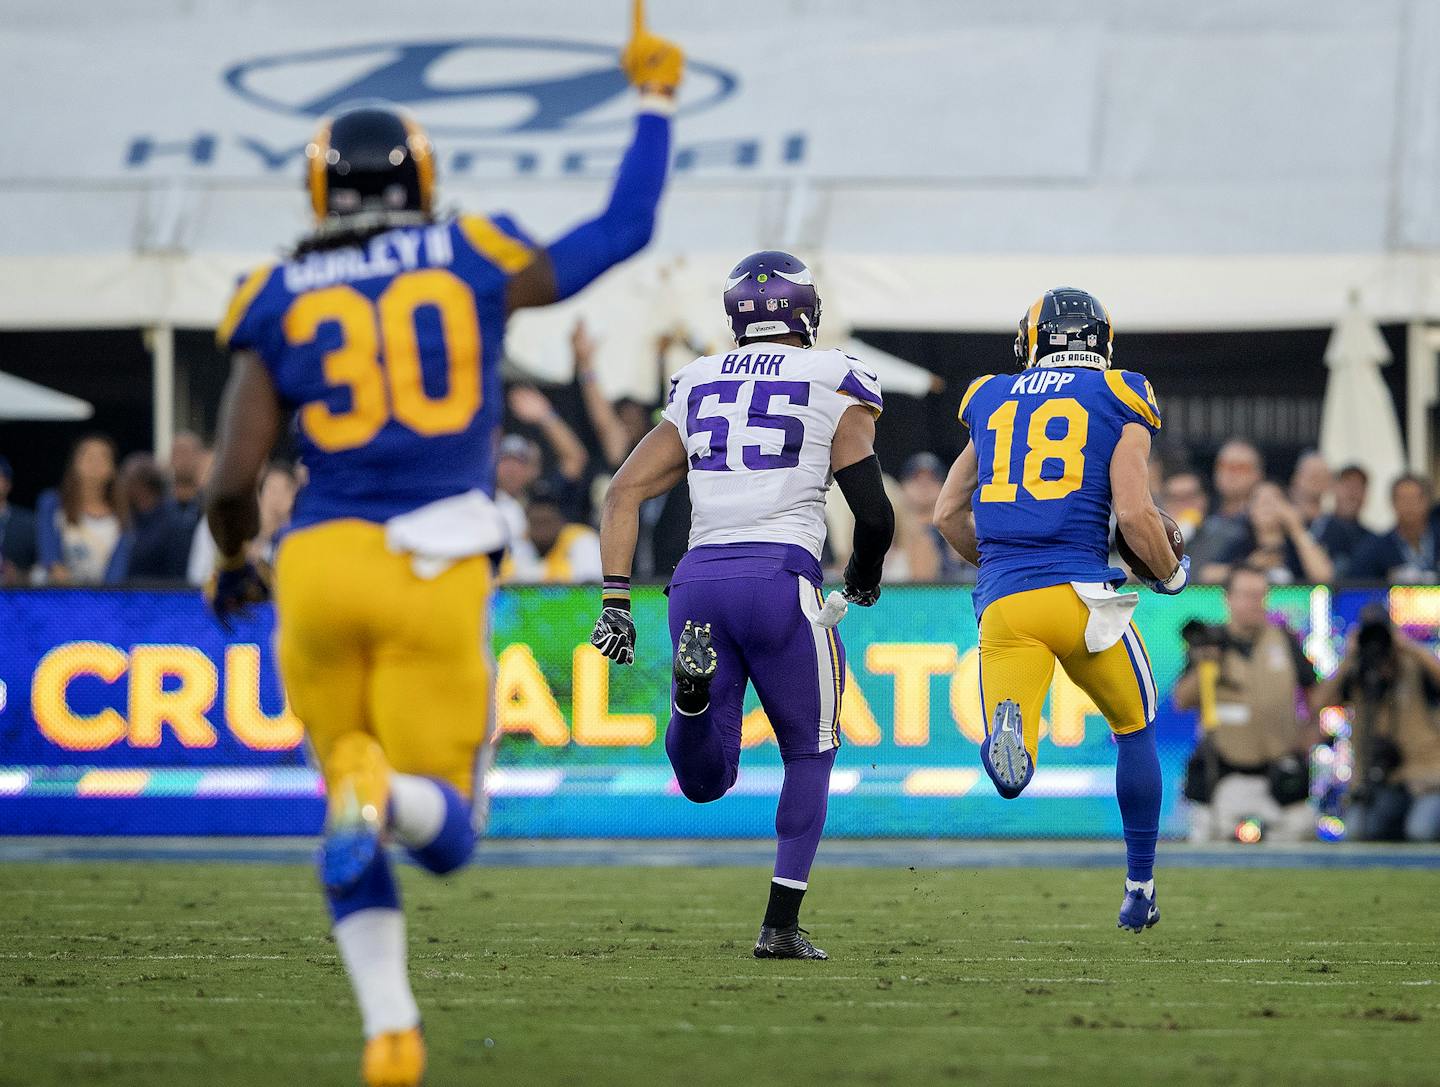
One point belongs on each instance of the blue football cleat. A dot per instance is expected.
(357, 809)
(345, 855)
(1139, 911)
(1003, 752)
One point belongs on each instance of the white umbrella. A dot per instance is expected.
(1358, 424)
(21, 399)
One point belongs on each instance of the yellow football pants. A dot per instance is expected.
(365, 644)
(1021, 638)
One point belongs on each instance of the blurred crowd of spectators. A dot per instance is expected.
(137, 520)
(1305, 531)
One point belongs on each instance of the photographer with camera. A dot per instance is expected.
(1248, 678)
(1391, 685)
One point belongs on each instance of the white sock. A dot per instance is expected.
(417, 810)
(372, 944)
(1135, 885)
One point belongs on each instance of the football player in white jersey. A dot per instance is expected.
(761, 431)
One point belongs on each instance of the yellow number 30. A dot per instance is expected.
(378, 359)
(1069, 450)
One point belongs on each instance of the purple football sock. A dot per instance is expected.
(800, 815)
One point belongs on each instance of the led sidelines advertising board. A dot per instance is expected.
(125, 712)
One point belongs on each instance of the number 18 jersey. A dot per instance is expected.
(757, 423)
(1043, 440)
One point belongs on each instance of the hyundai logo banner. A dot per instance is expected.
(529, 91)
(556, 86)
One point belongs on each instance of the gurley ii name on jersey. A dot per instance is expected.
(756, 365)
(386, 254)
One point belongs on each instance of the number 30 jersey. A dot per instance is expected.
(1043, 440)
(757, 423)
(389, 354)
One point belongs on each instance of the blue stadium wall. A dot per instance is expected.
(131, 712)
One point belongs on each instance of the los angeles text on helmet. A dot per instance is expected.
(222, 152)
(1089, 359)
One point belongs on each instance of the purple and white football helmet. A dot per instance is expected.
(769, 294)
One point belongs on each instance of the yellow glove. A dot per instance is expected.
(649, 61)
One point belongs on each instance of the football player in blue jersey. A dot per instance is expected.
(382, 333)
(1052, 451)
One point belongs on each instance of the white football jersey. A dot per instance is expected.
(757, 423)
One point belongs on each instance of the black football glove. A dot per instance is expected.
(614, 635)
(854, 593)
(234, 590)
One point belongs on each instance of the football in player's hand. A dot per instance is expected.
(1132, 560)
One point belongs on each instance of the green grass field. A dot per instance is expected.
(163, 973)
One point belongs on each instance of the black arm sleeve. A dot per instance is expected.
(864, 491)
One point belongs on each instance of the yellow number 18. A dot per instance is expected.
(378, 358)
(1069, 450)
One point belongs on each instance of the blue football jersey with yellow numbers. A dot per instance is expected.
(1043, 440)
(389, 355)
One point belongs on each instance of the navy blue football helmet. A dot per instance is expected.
(769, 294)
(1065, 327)
(374, 161)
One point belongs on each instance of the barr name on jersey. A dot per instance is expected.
(757, 365)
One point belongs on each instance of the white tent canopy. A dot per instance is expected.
(21, 399)
(1225, 165)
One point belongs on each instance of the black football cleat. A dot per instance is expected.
(786, 943)
(695, 663)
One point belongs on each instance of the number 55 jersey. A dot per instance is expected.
(757, 423)
(1043, 441)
